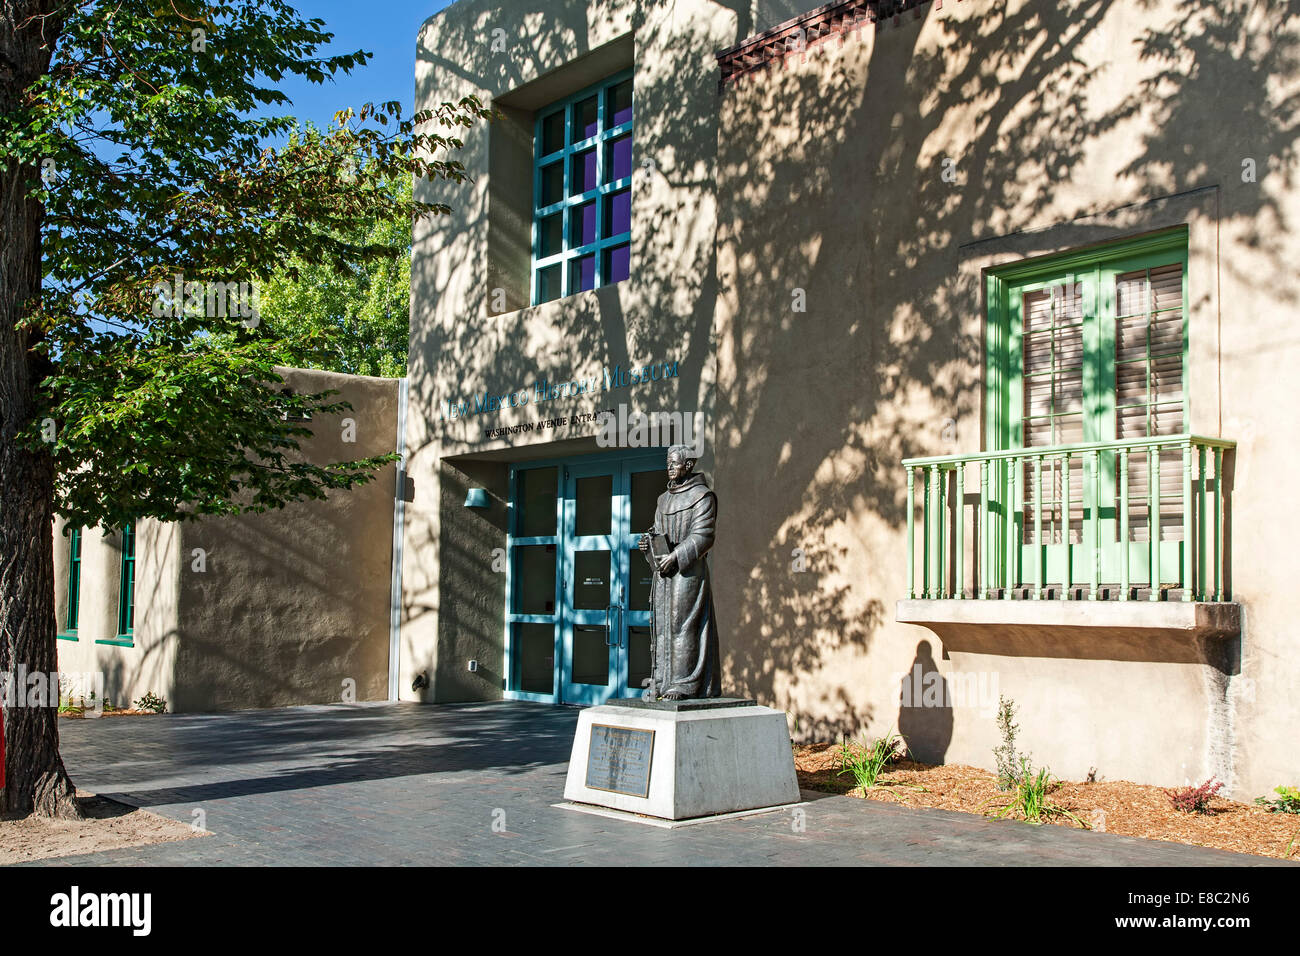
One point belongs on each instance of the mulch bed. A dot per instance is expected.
(77, 714)
(1115, 806)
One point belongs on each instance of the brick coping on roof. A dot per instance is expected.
(798, 35)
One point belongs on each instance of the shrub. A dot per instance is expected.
(1029, 798)
(867, 763)
(1287, 801)
(1007, 759)
(152, 702)
(1194, 799)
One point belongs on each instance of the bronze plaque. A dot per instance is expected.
(618, 759)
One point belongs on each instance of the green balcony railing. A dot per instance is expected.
(1143, 518)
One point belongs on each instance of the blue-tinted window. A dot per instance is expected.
(582, 209)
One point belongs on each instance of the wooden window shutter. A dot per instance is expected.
(1052, 346)
(1149, 387)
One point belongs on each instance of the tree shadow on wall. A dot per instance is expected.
(663, 311)
(829, 178)
(833, 184)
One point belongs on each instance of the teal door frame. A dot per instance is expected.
(581, 612)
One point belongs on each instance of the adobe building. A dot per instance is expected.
(972, 301)
(255, 610)
(981, 313)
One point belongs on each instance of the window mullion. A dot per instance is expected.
(566, 273)
(1150, 392)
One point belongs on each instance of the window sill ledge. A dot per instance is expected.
(1189, 619)
(126, 641)
(67, 636)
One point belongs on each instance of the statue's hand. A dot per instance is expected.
(668, 565)
(644, 543)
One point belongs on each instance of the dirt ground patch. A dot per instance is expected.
(1115, 806)
(109, 825)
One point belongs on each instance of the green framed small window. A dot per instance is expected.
(126, 593)
(582, 190)
(74, 585)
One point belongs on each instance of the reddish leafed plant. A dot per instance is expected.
(1194, 799)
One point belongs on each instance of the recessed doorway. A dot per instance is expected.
(578, 611)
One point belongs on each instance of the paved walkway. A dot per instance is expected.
(383, 784)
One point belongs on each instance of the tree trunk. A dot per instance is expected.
(35, 779)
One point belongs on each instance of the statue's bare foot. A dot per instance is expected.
(674, 695)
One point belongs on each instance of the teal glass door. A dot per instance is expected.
(578, 628)
(644, 481)
(590, 589)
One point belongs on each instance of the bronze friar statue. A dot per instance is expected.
(682, 621)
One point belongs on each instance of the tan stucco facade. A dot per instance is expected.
(871, 179)
(259, 610)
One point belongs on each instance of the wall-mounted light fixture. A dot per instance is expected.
(477, 498)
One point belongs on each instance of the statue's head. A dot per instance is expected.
(681, 462)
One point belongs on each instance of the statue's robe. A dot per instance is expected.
(681, 605)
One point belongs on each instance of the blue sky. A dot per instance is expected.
(385, 28)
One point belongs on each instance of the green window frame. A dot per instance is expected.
(69, 632)
(126, 589)
(1112, 363)
(1095, 272)
(582, 190)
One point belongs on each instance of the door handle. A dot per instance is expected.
(614, 638)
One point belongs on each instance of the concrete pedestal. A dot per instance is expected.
(682, 760)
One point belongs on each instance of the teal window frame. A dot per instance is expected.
(69, 632)
(569, 253)
(126, 592)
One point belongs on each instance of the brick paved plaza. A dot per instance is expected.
(385, 784)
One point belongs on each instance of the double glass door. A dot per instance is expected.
(578, 627)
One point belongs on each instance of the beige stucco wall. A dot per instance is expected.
(461, 346)
(832, 181)
(148, 665)
(257, 610)
(1066, 125)
(294, 603)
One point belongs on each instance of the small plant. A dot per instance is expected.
(1194, 799)
(867, 762)
(1287, 801)
(153, 703)
(1006, 758)
(1029, 798)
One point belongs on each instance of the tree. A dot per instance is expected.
(367, 305)
(137, 196)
